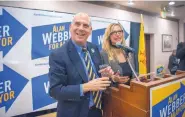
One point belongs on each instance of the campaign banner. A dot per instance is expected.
(168, 100)
(48, 38)
(27, 37)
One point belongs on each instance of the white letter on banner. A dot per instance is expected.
(7, 85)
(46, 87)
(173, 106)
(169, 109)
(1, 61)
(181, 97)
(54, 37)
(163, 113)
(66, 36)
(100, 39)
(6, 29)
(47, 38)
(1, 88)
(177, 103)
(60, 38)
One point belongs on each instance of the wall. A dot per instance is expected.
(153, 25)
(181, 31)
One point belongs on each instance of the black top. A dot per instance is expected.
(126, 69)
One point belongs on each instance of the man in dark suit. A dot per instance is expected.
(181, 55)
(74, 78)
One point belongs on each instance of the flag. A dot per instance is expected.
(142, 50)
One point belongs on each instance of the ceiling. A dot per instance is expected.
(154, 7)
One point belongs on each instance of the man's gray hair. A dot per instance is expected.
(83, 14)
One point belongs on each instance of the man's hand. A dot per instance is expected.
(98, 84)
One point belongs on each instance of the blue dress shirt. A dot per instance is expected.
(81, 54)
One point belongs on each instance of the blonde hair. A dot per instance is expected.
(107, 46)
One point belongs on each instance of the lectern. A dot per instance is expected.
(147, 98)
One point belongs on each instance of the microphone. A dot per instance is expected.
(125, 48)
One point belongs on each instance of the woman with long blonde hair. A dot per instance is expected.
(115, 56)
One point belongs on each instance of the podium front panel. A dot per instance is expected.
(168, 100)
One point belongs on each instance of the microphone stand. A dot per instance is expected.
(126, 54)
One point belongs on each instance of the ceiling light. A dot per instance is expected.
(130, 2)
(172, 14)
(171, 3)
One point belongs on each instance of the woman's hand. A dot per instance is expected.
(120, 79)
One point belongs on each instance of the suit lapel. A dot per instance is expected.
(76, 60)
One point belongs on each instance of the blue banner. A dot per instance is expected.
(11, 84)
(171, 106)
(97, 37)
(40, 90)
(48, 37)
(11, 30)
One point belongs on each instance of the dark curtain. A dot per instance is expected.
(134, 41)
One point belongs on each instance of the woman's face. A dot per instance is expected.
(116, 34)
(174, 53)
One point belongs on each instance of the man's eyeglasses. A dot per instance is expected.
(116, 32)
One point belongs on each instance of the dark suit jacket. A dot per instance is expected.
(181, 55)
(66, 73)
(173, 64)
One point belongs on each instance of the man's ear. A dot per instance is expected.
(70, 27)
(91, 29)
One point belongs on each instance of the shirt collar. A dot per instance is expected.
(78, 47)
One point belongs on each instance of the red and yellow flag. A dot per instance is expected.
(142, 50)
